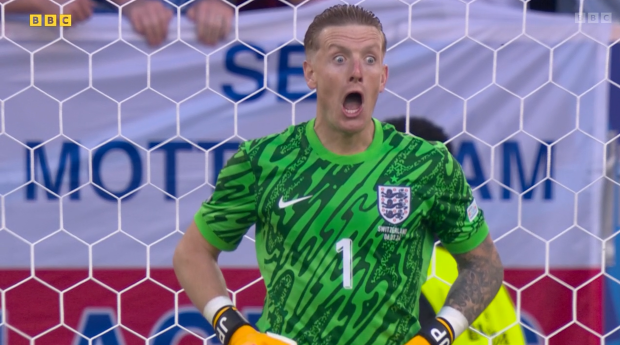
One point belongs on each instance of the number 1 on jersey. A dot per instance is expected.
(344, 246)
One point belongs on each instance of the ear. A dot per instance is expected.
(384, 78)
(309, 75)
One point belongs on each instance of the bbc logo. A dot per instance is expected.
(593, 17)
(50, 20)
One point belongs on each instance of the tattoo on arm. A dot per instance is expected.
(480, 278)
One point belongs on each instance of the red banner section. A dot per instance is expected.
(122, 307)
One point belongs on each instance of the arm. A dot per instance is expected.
(462, 229)
(28, 6)
(196, 268)
(479, 280)
(465, 234)
(219, 225)
(480, 277)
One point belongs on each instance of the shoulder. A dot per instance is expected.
(413, 145)
(288, 138)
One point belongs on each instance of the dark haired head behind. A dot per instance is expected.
(422, 128)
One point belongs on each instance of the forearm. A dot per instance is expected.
(22, 6)
(197, 271)
(480, 277)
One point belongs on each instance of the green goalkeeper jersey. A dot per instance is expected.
(343, 242)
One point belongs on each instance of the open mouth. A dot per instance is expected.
(352, 104)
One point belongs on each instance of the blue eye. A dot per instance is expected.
(339, 59)
(370, 60)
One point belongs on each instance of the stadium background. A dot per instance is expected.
(108, 147)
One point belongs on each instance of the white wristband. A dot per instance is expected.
(457, 320)
(214, 305)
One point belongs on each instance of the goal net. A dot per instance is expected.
(108, 146)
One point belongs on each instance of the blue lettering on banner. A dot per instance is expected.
(512, 161)
(170, 174)
(96, 321)
(531, 338)
(511, 150)
(69, 160)
(234, 68)
(136, 169)
(285, 71)
(52, 176)
(69, 152)
(190, 319)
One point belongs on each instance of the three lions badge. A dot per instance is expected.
(394, 204)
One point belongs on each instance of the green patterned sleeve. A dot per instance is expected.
(226, 217)
(457, 220)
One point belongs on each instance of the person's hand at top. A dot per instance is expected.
(213, 20)
(149, 18)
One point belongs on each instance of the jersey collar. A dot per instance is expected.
(326, 154)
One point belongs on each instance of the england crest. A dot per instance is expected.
(394, 203)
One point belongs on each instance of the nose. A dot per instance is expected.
(356, 73)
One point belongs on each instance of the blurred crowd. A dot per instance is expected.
(213, 19)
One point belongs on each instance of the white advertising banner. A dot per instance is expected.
(117, 143)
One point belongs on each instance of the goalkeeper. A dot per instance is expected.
(346, 209)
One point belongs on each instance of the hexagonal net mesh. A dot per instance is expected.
(108, 146)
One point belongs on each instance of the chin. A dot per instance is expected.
(356, 124)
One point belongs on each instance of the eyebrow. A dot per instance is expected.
(338, 47)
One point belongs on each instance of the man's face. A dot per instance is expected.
(348, 74)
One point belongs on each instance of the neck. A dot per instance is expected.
(342, 143)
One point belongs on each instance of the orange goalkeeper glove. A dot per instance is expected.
(232, 329)
(246, 335)
(439, 332)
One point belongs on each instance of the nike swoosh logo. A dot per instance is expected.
(283, 204)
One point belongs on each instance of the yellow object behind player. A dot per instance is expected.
(498, 320)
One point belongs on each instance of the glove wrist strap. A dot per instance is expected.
(213, 306)
(439, 332)
(455, 319)
(227, 320)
